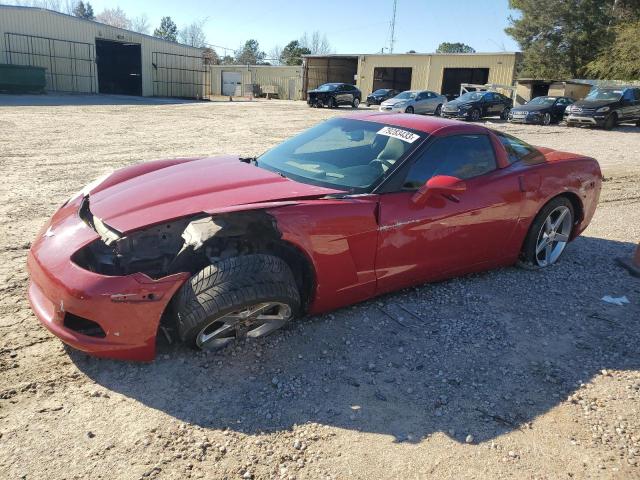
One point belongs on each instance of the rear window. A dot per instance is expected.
(517, 150)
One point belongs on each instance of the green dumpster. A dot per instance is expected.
(22, 79)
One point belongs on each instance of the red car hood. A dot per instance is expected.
(156, 192)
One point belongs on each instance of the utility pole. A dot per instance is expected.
(393, 26)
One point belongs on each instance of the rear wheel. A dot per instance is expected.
(475, 115)
(356, 102)
(505, 113)
(409, 110)
(438, 111)
(548, 235)
(611, 121)
(546, 119)
(241, 297)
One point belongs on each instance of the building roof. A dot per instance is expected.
(416, 54)
(74, 18)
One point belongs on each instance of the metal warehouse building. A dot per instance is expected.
(440, 72)
(84, 56)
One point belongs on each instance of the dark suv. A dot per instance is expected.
(606, 107)
(475, 105)
(333, 95)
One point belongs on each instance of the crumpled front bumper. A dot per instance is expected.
(127, 308)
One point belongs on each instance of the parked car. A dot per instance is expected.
(540, 110)
(414, 101)
(225, 248)
(606, 108)
(475, 105)
(333, 95)
(380, 95)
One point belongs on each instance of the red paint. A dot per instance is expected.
(359, 247)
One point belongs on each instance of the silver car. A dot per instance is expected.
(415, 101)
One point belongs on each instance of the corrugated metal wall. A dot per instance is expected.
(287, 80)
(428, 69)
(65, 46)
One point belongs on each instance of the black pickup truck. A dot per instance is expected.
(606, 108)
(333, 95)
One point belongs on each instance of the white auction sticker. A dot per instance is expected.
(400, 134)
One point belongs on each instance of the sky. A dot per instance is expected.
(351, 26)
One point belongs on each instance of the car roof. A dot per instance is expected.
(419, 123)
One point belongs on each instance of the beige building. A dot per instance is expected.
(443, 73)
(84, 56)
(231, 80)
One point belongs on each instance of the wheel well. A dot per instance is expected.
(578, 208)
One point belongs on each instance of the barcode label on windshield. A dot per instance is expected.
(400, 134)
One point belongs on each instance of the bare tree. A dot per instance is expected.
(194, 34)
(317, 43)
(141, 24)
(274, 55)
(114, 17)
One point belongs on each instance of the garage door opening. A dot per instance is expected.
(119, 67)
(452, 78)
(392, 77)
(328, 69)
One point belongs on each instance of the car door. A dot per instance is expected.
(629, 105)
(421, 103)
(487, 106)
(448, 236)
(340, 95)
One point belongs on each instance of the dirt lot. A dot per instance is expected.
(508, 374)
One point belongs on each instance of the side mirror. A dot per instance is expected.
(440, 184)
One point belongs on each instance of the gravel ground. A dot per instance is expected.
(506, 374)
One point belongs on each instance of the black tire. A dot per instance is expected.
(504, 115)
(409, 110)
(546, 119)
(611, 121)
(438, 111)
(355, 103)
(233, 285)
(528, 253)
(475, 115)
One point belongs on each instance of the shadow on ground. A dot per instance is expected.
(57, 99)
(480, 355)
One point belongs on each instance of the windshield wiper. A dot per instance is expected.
(249, 160)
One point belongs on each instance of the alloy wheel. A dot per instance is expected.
(553, 236)
(546, 120)
(251, 322)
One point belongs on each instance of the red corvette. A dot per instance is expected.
(225, 248)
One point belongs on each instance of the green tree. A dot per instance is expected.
(250, 54)
(560, 37)
(620, 60)
(83, 10)
(168, 30)
(292, 53)
(458, 47)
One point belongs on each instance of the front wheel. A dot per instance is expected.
(438, 111)
(241, 297)
(611, 121)
(475, 115)
(409, 110)
(505, 113)
(548, 235)
(355, 103)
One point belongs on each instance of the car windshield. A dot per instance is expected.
(382, 91)
(542, 101)
(407, 95)
(327, 87)
(598, 94)
(346, 154)
(471, 96)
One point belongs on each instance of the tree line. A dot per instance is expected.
(578, 38)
